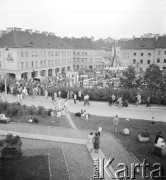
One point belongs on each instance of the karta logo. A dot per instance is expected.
(10, 58)
(101, 168)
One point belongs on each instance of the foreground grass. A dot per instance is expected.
(140, 150)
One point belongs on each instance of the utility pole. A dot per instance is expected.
(5, 49)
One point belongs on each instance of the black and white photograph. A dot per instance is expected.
(82, 89)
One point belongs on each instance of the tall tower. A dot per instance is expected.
(115, 62)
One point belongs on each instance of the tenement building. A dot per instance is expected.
(141, 52)
(85, 54)
(26, 54)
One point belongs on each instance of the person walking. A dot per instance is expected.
(96, 142)
(152, 123)
(99, 130)
(115, 123)
(46, 94)
(59, 104)
(148, 101)
(120, 102)
(75, 98)
(79, 95)
(138, 97)
(90, 142)
(66, 105)
(55, 96)
(113, 99)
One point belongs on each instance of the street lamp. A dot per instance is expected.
(5, 49)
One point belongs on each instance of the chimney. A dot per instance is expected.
(17, 29)
(72, 38)
(92, 38)
(141, 38)
(156, 37)
(84, 37)
(9, 29)
(37, 32)
(51, 33)
(29, 30)
(2, 33)
(45, 32)
(133, 37)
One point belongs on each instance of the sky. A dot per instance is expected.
(79, 18)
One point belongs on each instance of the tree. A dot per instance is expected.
(153, 77)
(163, 82)
(128, 77)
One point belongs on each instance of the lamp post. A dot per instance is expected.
(5, 49)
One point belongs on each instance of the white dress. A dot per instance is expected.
(90, 142)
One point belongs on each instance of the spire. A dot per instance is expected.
(115, 62)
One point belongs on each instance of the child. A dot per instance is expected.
(59, 114)
(86, 116)
(30, 120)
(83, 114)
(99, 130)
(152, 122)
(63, 112)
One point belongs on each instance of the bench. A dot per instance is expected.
(10, 153)
(160, 151)
(4, 119)
(142, 139)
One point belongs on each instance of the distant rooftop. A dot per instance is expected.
(28, 38)
(146, 43)
(80, 43)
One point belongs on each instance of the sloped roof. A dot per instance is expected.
(138, 43)
(146, 43)
(103, 44)
(80, 43)
(161, 42)
(34, 40)
(122, 43)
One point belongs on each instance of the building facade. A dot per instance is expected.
(85, 55)
(141, 52)
(27, 54)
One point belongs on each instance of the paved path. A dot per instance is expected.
(99, 108)
(133, 112)
(44, 137)
(70, 121)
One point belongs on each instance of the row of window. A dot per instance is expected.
(148, 61)
(80, 53)
(82, 60)
(85, 66)
(43, 63)
(158, 60)
(45, 53)
(149, 54)
(87, 53)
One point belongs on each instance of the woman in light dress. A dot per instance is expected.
(46, 93)
(90, 142)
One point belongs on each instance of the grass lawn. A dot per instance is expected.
(140, 150)
(36, 164)
(48, 121)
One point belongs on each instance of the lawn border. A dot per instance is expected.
(65, 162)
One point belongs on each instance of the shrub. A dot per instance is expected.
(5, 105)
(31, 111)
(40, 110)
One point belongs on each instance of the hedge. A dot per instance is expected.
(104, 94)
(16, 109)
